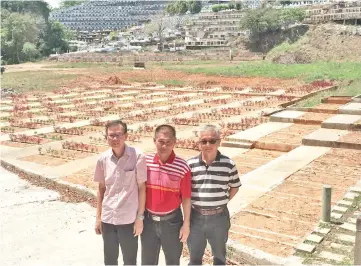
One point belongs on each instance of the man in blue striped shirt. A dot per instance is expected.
(215, 181)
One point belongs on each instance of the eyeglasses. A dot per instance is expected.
(210, 141)
(115, 136)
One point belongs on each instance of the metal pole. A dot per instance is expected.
(357, 260)
(326, 203)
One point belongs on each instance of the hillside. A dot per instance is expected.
(327, 42)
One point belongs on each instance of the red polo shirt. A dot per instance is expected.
(167, 184)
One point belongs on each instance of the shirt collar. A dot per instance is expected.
(218, 157)
(126, 153)
(169, 161)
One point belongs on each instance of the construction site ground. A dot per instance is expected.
(284, 157)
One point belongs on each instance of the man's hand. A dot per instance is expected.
(138, 227)
(98, 227)
(184, 233)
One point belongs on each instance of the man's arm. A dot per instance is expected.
(100, 197)
(141, 170)
(232, 192)
(186, 191)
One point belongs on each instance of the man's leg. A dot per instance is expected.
(111, 244)
(150, 243)
(128, 243)
(217, 235)
(197, 239)
(172, 247)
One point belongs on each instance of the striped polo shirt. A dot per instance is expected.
(210, 183)
(167, 183)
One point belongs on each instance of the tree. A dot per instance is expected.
(158, 25)
(55, 39)
(194, 6)
(17, 29)
(267, 21)
(30, 51)
(68, 3)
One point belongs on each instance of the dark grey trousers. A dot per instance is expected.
(163, 234)
(119, 235)
(213, 228)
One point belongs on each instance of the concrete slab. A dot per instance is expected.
(270, 175)
(325, 138)
(352, 220)
(341, 121)
(339, 209)
(346, 238)
(286, 116)
(349, 226)
(306, 248)
(356, 189)
(314, 238)
(351, 108)
(350, 196)
(232, 152)
(323, 231)
(332, 256)
(257, 132)
(336, 215)
(346, 203)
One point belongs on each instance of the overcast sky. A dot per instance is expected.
(53, 3)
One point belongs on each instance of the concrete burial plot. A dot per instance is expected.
(324, 137)
(286, 116)
(341, 121)
(356, 99)
(351, 108)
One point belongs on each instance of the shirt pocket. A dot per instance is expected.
(127, 178)
(173, 181)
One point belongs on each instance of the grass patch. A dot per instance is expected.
(306, 72)
(174, 82)
(190, 63)
(103, 66)
(36, 80)
(351, 90)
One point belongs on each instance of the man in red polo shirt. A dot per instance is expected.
(168, 186)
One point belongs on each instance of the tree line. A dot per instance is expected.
(28, 34)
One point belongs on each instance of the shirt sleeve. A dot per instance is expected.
(99, 172)
(234, 181)
(185, 186)
(141, 169)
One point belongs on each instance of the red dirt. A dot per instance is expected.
(83, 177)
(352, 137)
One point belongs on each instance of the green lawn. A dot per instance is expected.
(351, 90)
(306, 72)
(36, 80)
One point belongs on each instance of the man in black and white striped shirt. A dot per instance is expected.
(215, 181)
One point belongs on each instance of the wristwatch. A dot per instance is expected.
(141, 217)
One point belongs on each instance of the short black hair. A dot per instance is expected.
(164, 127)
(115, 123)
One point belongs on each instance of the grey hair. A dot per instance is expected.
(210, 128)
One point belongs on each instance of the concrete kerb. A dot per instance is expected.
(85, 194)
(356, 99)
(293, 102)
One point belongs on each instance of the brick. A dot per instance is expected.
(336, 215)
(346, 203)
(306, 248)
(314, 238)
(341, 247)
(346, 238)
(339, 209)
(332, 256)
(349, 226)
(350, 196)
(323, 231)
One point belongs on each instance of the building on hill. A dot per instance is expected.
(108, 15)
(213, 29)
(346, 12)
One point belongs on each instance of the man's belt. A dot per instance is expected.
(208, 211)
(159, 218)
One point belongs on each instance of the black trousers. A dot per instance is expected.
(119, 235)
(163, 234)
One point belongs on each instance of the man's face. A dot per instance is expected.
(209, 142)
(164, 142)
(116, 136)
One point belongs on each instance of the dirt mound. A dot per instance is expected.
(114, 80)
(292, 58)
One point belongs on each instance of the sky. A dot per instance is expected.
(53, 3)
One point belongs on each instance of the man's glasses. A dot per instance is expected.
(115, 136)
(210, 141)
